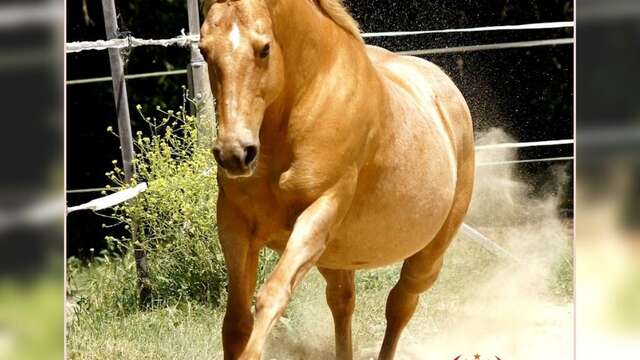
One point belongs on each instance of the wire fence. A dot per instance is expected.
(520, 145)
(486, 47)
(525, 161)
(185, 40)
(481, 164)
(130, 42)
(419, 52)
(128, 77)
(534, 26)
(478, 148)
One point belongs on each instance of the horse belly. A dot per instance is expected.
(397, 210)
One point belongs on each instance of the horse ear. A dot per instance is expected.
(205, 6)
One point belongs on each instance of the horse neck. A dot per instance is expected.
(310, 43)
(310, 40)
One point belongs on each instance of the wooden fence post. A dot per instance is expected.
(199, 86)
(126, 139)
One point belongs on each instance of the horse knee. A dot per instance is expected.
(272, 298)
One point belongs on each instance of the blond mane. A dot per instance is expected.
(335, 9)
(340, 15)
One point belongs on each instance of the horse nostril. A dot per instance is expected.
(250, 153)
(217, 154)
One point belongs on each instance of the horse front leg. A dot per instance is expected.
(241, 257)
(305, 246)
(238, 320)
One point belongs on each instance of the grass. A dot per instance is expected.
(108, 326)
(188, 331)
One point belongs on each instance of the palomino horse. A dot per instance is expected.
(335, 154)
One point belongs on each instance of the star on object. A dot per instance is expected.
(476, 356)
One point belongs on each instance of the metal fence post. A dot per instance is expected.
(126, 139)
(199, 86)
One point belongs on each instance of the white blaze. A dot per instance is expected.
(234, 36)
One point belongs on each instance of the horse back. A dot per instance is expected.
(450, 105)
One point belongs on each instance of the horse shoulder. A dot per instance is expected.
(331, 130)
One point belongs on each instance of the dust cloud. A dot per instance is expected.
(513, 314)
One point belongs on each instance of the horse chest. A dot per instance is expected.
(266, 207)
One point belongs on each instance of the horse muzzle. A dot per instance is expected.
(237, 160)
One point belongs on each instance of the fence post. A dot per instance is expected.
(199, 86)
(126, 139)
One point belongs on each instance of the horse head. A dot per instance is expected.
(247, 74)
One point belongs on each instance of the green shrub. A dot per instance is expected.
(176, 215)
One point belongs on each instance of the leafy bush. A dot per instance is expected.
(176, 216)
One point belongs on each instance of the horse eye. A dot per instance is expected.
(265, 51)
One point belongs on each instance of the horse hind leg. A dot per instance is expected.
(418, 274)
(341, 299)
(403, 299)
